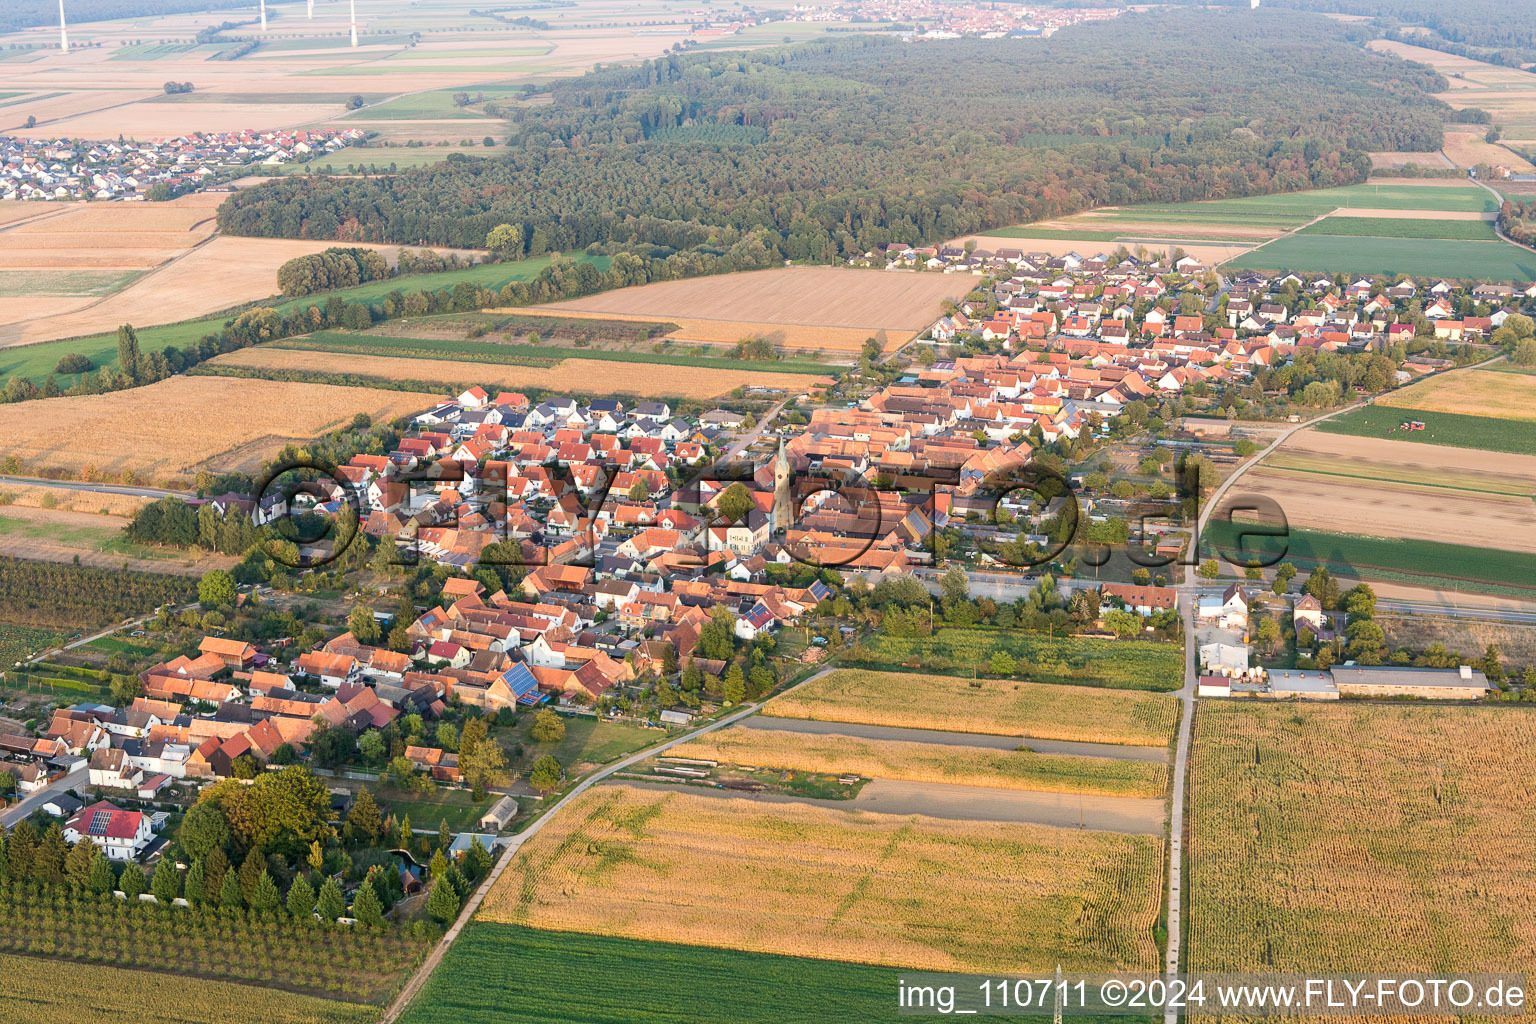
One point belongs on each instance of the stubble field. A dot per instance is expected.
(1470, 393)
(929, 762)
(1437, 513)
(164, 430)
(1360, 837)
(999, 707)
(903, 891)
(793, 300)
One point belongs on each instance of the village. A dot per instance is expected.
(953, 21)
(73, 169)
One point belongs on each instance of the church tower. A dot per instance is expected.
(783, 504)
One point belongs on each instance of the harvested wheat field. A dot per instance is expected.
(1392, 160)
(67, 499)
(1509, 396)
(1361, 837)
(1468, 149)
(929, 762)
(904, 891)
(165, 430)
(760, 300)
(999, 707)
(245, 269)
(1315, 502)
(584, 376)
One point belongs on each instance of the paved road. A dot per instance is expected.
(1457, 610)
(36, 800)
(97, 488)
(1114, 751)
(418, 979)
(1499, 196)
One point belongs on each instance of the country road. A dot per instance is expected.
(95, 488)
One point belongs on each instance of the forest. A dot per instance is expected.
(1495, 24)
(828, 149)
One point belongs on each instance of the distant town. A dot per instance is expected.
(75, 169)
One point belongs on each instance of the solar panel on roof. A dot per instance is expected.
(99, 821)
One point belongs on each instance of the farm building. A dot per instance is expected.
(503, 811)
(1464, 683)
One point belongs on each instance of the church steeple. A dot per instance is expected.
(783, 504)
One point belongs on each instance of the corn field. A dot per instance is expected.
(809, 881)
(242, 946)
(1362, 838)
(48, 992)
(930, 762)
(1000, 707)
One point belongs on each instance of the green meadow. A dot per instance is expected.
(1377, 256)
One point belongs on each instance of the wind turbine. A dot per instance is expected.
(354, 22)
(63, 33)
(263, 14)
(311, 10)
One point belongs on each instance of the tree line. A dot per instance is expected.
(828, 149)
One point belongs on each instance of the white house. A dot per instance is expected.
(111, 769)
(122, 835)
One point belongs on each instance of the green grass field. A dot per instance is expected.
(1281, 212)
(430, 809)
(1453, 258)
(521, 355)
(1453, 430)
(505, 974)
(1116, 664)
(38, 361)
(1392, 227)
(1430, 563)
(402, 158)
(587, 740)
(69, 282)
(105, 539)
(154, 51)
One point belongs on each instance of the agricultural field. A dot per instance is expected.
(303, 70)
(18, 643)
(1455, 430)
(135, 432)
(164, 274)
(1225, 230)
(998, 707)
(1116, 664)
(1507, 94)
(1451, 258)
(507, 354)
(583, 376)
(929, 762)
(1435, 512)
(43, 497)
(798, 303)
(1509, 396)
(48, 991)
(1424, 563)
(504, 974)
(382, 157)
(897, 890)
(1403, 227)
(1360, 837)
(1401, 458)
